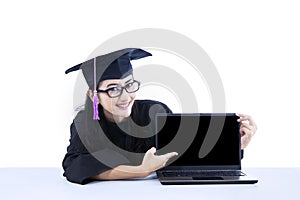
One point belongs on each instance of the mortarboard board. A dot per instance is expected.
(114, 65)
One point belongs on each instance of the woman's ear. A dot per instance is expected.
(90, 94)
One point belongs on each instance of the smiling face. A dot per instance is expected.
(117, 108)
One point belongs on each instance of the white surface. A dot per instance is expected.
(254, 44)
(47, 183)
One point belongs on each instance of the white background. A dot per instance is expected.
(255, 46)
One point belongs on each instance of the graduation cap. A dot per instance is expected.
(114, 65)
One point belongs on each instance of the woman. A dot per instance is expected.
(118, 143)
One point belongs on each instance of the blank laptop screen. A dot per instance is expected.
(177, 132)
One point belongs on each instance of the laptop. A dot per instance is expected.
(208, 147)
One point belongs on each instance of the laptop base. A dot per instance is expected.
(195, 182)
(205, 180)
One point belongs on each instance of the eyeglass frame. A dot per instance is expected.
(122, 87)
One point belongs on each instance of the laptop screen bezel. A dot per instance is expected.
(200, 167)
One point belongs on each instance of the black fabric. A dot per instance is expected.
(89, 153)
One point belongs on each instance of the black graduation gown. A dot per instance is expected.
(95, 150)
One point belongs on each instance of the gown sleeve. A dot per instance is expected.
(79, 165)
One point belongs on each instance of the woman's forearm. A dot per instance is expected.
(122, 172)
(150, 164)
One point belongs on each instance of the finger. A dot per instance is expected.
(250, 128)
(242, 117)
(245, 132)
(239, 115)
(252, 123)
(167, 156)
(243, 143)
(249, 119)
(152, 150)
(245, 140)
(246, 118)
(246, 125)
(164, 164)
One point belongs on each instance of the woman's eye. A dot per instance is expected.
(113, 89)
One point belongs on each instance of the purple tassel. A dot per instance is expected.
(96, 115)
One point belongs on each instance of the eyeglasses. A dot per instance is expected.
(117, 91)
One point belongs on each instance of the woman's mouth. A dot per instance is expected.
(123, 106)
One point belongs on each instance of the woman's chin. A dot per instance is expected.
(122, 114)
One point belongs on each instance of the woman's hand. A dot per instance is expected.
(153, 162)
(150, 164)
(247, 129)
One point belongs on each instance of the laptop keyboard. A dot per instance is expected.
(202, 173)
